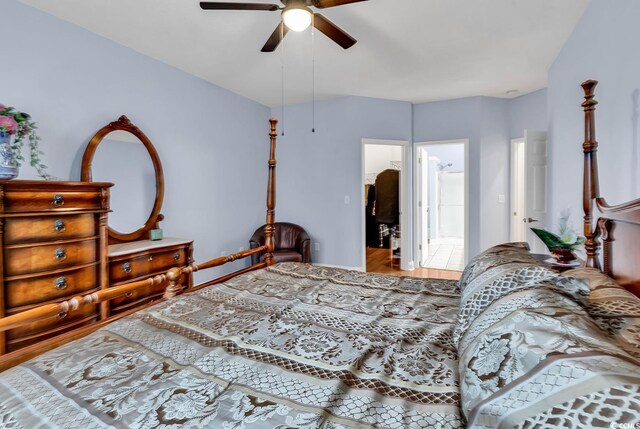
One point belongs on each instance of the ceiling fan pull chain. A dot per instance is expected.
(313, 75)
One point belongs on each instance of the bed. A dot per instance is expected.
(291, 345)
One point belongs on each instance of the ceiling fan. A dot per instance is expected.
(296, 16)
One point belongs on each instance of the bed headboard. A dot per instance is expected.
(615, 229)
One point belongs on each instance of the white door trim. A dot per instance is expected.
(406, 230)
(417, 146)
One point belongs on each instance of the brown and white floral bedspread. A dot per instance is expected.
(292, 346)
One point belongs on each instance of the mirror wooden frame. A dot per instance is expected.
(124, 124)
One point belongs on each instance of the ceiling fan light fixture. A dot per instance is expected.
(297, 19)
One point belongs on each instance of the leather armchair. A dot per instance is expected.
(292, 243)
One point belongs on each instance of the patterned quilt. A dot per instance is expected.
(291, 346)
(542, 350)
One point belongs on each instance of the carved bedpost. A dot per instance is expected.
(269, 229)
(174, 286)
(591, 189)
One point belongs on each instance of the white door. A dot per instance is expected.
(535, 176)
(423, 205)
(431, 197)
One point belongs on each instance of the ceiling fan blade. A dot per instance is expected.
(332, 31)
(207, 5)
(323, 4)
(275, 38)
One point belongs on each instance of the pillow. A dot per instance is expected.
(529, 286)
(503, 270)
(596, 278)
(502, 254)
(612, 307)
(606, 298)
(529, 350)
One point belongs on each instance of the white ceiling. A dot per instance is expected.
(410, 50)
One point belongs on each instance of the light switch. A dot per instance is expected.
(347, 199)
(501, 198)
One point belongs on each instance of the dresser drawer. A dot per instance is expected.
(17, 201)
(141, 296)
(33, 290)
(48, 228)
(43, 329)
(25, 259)
(125, 269)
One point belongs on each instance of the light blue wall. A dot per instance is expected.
(494, 172)
(528, 112)
(213, 143)
(317, 170)
(449, 120)
(489, 124)
(604, 46)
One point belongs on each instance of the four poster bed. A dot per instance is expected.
(512, 344)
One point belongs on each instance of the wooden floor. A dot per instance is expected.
(378, 262)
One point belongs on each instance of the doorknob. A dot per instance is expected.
(530, 220)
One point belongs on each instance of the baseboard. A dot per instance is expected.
(410, 266)
(341, 267)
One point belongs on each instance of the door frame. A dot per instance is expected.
(417, 147)
(406, 262)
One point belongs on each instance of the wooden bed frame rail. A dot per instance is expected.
(171, 277)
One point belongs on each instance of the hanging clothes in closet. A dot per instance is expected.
(387, 206)
(388, 197)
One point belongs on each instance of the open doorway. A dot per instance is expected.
(441, 204)
(384, 205)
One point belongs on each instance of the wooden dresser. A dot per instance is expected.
(54, 242)
(138, 260)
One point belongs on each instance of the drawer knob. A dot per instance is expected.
(176, 256)
(62, 315)
(60, 254)
(57, 200)
(59, 225)
(126, 267)
(150, 258)
(61, 283)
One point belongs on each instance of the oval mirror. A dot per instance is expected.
(122, 154)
